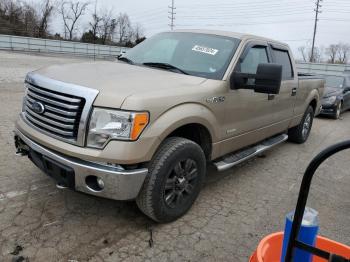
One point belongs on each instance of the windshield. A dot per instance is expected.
(195, 54)
(334, 81)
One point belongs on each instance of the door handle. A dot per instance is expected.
(294, 91)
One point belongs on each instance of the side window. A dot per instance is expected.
(255, 56)
(282, 58)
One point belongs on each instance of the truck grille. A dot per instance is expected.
(61, 114)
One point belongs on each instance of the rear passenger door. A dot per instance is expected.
(284, 101)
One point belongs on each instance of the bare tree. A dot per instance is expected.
(136, 32)
(108, 26)
(3, 8)
(332, 52)
(18, 18)
(95, 25)
(306, 54)
(46, 11)
(123, 27)
(343, 52)
(13, 11)
(30, 20)
(71, 11)
(318, 52)
(303, 52)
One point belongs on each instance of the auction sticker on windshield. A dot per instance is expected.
(206, 50)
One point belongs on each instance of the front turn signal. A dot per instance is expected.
(140, 122)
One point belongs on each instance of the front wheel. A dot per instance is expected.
(175, 177)
(300, 133)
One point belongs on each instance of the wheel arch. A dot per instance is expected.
(313, 100)
(197, 133)
(313, 104)
(192, 121)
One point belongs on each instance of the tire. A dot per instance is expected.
(339, 110)
(178, 168)
(300, 133)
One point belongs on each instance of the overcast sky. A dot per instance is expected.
(290, 21)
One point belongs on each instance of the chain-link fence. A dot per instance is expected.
(29, 44)
(322, 68)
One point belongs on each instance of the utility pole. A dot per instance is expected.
(317, 11)
(172, 15)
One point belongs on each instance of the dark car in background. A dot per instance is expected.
(336, 98)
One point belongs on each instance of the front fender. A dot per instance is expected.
(175, 117)
(183, 114)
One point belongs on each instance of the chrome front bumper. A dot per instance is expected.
(119, 184)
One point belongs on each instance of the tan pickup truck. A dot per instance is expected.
(146, 126)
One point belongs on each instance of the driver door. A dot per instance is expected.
(248, 115)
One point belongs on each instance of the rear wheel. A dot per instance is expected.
(300, 133)
(175, 177)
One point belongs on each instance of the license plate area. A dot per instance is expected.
(62, 174)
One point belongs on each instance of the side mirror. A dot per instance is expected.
(268, 79)
(346, 89)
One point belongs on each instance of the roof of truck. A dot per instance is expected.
(241, 36)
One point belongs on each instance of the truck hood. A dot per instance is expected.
(115, 81)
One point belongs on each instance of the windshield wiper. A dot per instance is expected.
(125, 59)
(165, 66)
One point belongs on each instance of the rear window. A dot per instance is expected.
(282, 57)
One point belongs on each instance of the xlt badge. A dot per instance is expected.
(216, 99)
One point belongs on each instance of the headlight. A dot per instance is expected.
(107, 124)
(330, 100)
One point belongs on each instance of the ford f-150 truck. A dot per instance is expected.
(145, 127)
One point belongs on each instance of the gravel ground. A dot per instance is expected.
(234, 211)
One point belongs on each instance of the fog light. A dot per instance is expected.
(94, 183)
(100, 183)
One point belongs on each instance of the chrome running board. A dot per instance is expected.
(238, 157)
(61, 186)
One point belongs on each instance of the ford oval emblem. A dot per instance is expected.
(38, 107)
